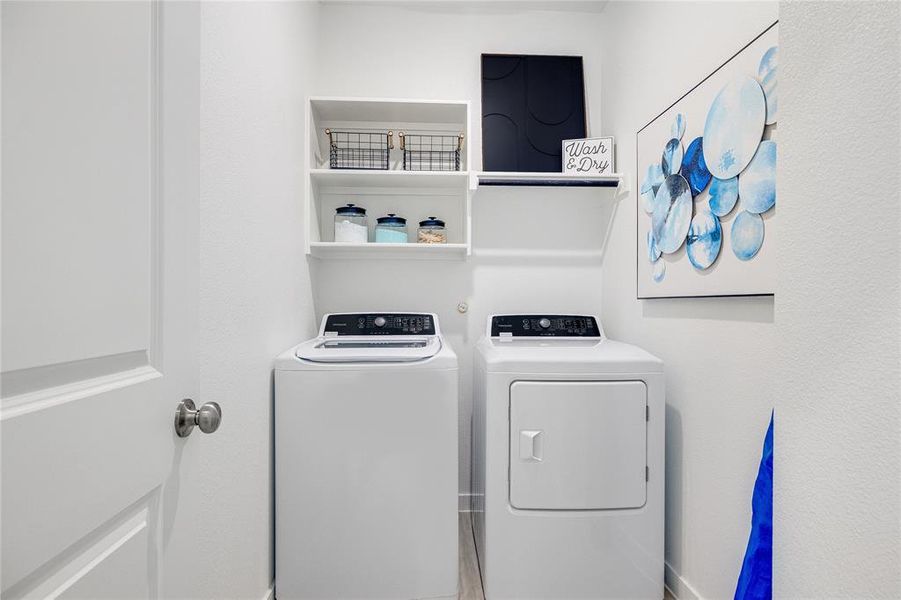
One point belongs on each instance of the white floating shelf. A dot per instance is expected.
(364, 178)
(390, 110)
(512, 179)
(412, 251)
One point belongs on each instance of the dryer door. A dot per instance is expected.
(578, 445)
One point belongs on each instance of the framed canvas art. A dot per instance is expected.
(530, 104)
(706, 215)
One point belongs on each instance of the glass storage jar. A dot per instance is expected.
(432, 231)
(391, 230)
(351, 225)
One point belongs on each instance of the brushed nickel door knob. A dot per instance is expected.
(207, 418)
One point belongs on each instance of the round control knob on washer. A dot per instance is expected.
(544, 323)
(380, 321)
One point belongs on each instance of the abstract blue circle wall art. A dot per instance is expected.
(734, 127)
(659, 271)
(768, 61)
(767, 73)
(705, 237)
(747, 235)
(694, 169)
(653, 250)
(671, 161)
(723, 196)
(677, 129)
(768, 84)
(705, 214)
(652, 181)
(671, 218)
(757, 183)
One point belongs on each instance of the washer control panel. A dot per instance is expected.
(379, 324)
(569, 326)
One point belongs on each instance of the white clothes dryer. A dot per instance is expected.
(366, 461)
(568, 461)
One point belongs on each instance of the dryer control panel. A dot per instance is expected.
(379, 324)
(569, 326)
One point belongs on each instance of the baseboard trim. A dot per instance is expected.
(677, 586)
(270, 593)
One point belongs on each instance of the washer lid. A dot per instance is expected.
(373, 337)
(364, 349)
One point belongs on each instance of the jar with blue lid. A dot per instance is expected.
(391, 229)
(432, 231)
(350, 225)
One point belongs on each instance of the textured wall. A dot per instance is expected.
(719, 353)
(254, 291)
(838, 427)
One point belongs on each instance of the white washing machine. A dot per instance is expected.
(366, 461)
(568, 461)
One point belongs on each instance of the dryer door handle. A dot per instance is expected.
(530, 445)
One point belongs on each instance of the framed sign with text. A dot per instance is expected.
(589, 156)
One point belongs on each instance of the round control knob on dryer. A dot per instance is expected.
(380, 321)
(544, 323)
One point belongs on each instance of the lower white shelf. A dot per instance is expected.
(387, 251)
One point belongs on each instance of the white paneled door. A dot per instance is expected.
(99, 139)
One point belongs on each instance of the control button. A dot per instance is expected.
(544, 323)
(379, 321)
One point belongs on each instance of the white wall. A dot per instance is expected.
(433, 51)
(719, 353)
(254, 295)
(838, 429)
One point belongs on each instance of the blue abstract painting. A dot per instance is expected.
(705, 237)
(766, 74)
(653, 250)
(734, 127)
(723, 196)
(694, 169)
(659, 271)
(677, 130)
(747, 235)
(706, 204)
(672, 214)
(757, 183)
(652, 181)
(671, 161)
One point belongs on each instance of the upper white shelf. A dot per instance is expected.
(390, 110)
(389, 179)
(511, 179)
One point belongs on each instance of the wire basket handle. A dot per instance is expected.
(400, 135)
(391, 140)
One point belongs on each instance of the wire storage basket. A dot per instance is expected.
(359, 149)
(431, 152)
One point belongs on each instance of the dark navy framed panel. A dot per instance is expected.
(530, 104)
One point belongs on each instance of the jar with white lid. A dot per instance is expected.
(391, 229)
(351, 226)
(432, 231)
